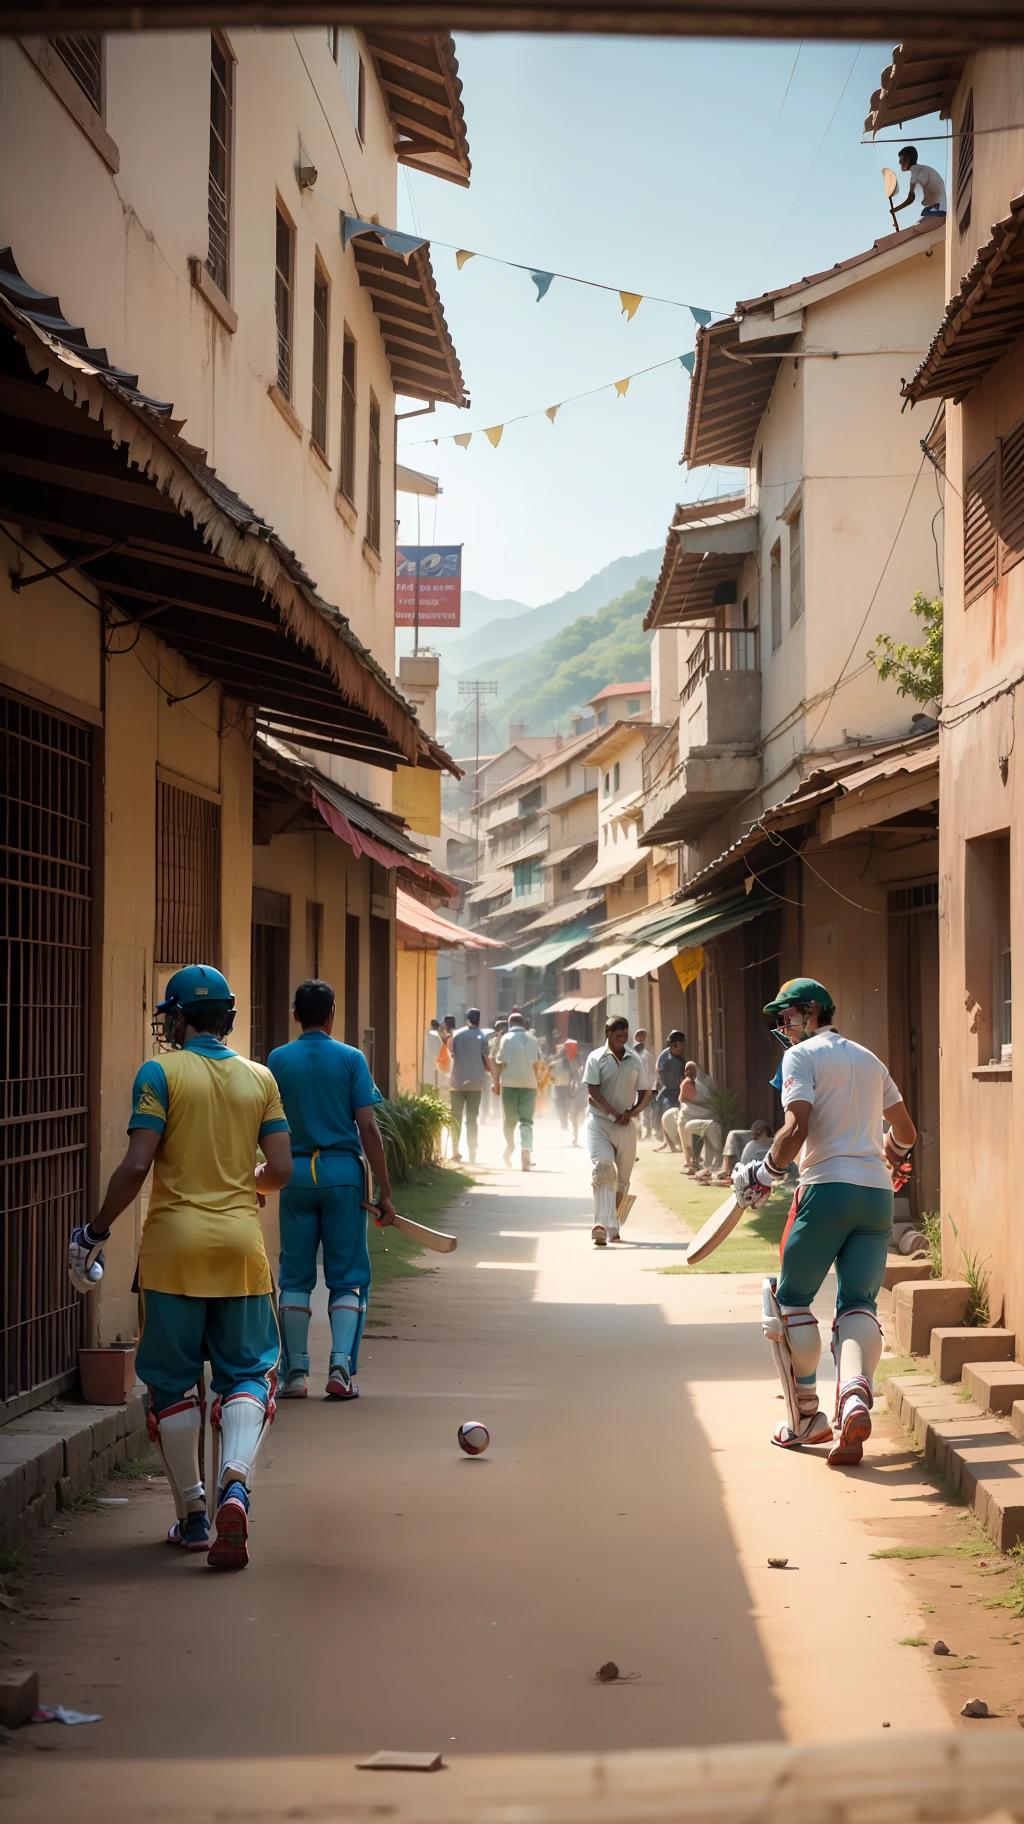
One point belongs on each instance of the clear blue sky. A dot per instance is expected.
(656, 165)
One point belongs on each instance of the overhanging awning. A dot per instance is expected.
(612, 869)
(689, 581)
(574, 1003)
(423, 928)
(419, 77)
(543, 954)
(983, 319)
(412, 324)
(918, 81)
(101, 471)
(729, 395)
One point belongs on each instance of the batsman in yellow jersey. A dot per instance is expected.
(200, 1114)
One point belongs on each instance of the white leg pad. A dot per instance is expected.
(605, 1180)
(794, 1336)
(857, 1346)
(177, 1431)
(243, 1424)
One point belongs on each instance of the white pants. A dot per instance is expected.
(711, 1134)
(612, 1152)
(670, 1128)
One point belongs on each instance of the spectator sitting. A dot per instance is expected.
(698, 1122)
(743, 1144)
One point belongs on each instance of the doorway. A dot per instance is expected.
(914, 1027)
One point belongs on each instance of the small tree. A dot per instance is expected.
(917, 669)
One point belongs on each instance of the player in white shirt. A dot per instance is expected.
(925, 182)
(837, 1096)
(618, 1086)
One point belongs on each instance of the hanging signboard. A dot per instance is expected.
(428, 585)
(688, 965)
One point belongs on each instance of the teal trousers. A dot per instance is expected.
(845, 1225)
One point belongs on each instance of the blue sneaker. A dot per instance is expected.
(192, 1533)
(230, 1548)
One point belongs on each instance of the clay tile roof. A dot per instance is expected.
(918, 81)
(687, 580)
(983, 318)
(419, 76)
(405, 300)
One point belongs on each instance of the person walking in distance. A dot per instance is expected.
(667, 1080)
(618, 1088)
(517, 1067)
(431, 1047)
(198, 1116)
(838, 1098)
(579, 1101)
(641, 1049)
(329, 1097)
(471, 1067)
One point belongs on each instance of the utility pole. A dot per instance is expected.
(475, 690)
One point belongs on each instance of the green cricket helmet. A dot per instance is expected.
(797, 992)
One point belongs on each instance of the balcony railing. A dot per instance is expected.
(660, 755)
(722, 649)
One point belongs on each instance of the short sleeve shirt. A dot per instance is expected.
(929, 184)
(518, 1052)
(469, 1049)
(670, 1073)
(848, 1087)
(619, 1082)
(202, 1236)
(322, 1083)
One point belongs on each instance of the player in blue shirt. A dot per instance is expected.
(328, 1094)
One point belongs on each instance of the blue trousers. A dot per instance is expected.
(237, 1336)
(331, 1217)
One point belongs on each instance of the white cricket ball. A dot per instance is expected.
(473, 1437)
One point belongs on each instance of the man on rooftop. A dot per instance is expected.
(925, 180)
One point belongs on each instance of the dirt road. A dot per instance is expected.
(404, 1595)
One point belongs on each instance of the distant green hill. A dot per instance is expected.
(545, 688)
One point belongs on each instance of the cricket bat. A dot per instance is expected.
(435, 1239)
(716, 1230)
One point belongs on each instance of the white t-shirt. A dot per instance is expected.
(849, 1087)
(619, 1083)
(519, 1052)
(930, 186)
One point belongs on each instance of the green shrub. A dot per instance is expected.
(930, 1224)
(412, 1129)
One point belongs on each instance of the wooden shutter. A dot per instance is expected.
(965, 164)
(1011, 502)
(980, 529)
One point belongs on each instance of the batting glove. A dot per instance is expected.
(85, 1257)
(753, 1183)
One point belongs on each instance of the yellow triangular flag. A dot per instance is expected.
(462, 255)
(631, 302)
(463, 439)
(493, 436)
(552, 411)
(622, 386)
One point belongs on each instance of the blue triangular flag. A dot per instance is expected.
(703, 317)
(393, 239)
(687, 362)
(542, 280)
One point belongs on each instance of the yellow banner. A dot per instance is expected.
(688, 965)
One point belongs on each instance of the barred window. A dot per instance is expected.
(347, 467)
(187, 877)
(222, 75)
(965, 164)
(980, 537)
(373, 480)
(321, 309)
(82, 54)
(796, 569)
(284, 248)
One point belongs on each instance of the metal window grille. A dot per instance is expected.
(373, 481)
(219, 206)
(980, 539)
(45, 894)
(347, 465)
(796, 570)
(271, 942)
(283, 302)
(921, 898)
(775, 595)
(82, 54)
(965, 165)
(187, 877)
(321, 307)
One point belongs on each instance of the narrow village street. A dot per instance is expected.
(404, 1595)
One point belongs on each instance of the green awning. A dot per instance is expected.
(684, 929)
(552, 948)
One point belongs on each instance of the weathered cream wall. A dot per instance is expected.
(318, 867)
(417, 1003)
(116, 249)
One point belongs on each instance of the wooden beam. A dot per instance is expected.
(873, 805)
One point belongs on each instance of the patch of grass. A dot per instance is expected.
(975, 1273)
(138, 1469)
(964, 1548)
(85, 1503)
(893, 1364)
(913, 1640)
(965, 1395)
(14, 1563)
(753, 1247)
(393, 1256)
(930, 1225)
(928, 1607)
(1012, 1598)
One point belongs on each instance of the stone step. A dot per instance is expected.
(994, 1385)
(953, 1348)
(1017, 1418)
(922, 1306)
(977, 1454)
(898, 1268)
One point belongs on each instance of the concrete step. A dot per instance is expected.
(975, 1452)
(1017, 1418)
(953, 1348)
(898, 1267)
(922, 1306)
(994, 1385)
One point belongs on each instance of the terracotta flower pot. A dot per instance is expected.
(107, 1375)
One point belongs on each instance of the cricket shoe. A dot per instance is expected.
(853, 1422)
(230, 1548)
(599, 1235)
(192, 1534)
(294, 1386)
(340, 1385)
(814, 1429)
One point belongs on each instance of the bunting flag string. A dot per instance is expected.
(397, 241)
(494, 432)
